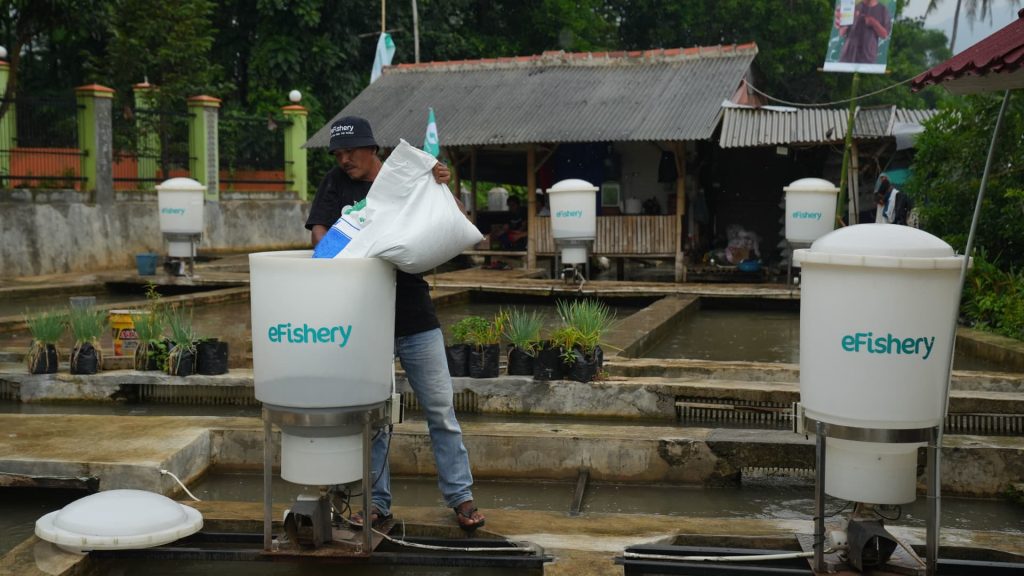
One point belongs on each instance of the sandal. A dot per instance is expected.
(376, 519)
(468, 517)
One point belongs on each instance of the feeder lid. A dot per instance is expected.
(180, 185)
(572, 185)
(119, 520)
(811, 185)
(880, 246)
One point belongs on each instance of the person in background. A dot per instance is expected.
(542, 204)
(513, 234)
(893, 206)
(419, 343)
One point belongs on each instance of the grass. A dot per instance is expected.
(590, 318)
(87, 324)
(46, 326)
(522, 329)
(182, 335)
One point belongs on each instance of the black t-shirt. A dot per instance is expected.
(414, 311)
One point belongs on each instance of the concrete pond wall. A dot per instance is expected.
(61, 231)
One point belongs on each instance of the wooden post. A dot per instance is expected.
(472, 181)
(680, 154)
(531, 207)
(456, 184)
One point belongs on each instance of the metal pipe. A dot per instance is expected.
(819, 498)
(934, 512)
(367, 485)
(268, 459)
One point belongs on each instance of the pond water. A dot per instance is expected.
(765, 499)
(755, 335)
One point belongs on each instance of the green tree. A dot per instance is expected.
(45, 40)
(947, 171)
(976, 10)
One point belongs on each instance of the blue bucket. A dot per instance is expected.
(146, 263)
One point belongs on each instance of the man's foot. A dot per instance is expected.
(468, 517)
(376, 519)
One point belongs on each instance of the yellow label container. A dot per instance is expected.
(122, 327)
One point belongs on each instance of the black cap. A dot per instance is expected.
(351, 132)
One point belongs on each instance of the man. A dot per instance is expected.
(893, 205)
(419, 343)
(871, 23)
(513, 234)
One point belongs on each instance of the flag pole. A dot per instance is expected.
(383, 17)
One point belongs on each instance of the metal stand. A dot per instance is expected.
(825, 430)
(366, 419)
(182, 248)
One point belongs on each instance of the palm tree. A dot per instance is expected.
(976, 10)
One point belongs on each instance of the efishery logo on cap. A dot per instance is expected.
(351, 132)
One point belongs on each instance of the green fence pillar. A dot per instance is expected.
(96, 141)
(294, 153)
(147, 139)
(8, 128)
(203, 162)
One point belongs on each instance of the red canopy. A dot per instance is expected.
(994, 63)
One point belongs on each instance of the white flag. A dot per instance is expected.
(385, 51)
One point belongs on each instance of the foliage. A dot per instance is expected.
(947, 171)
(522, 329)
(182, 336)
(87, 324)
(589, 318)
(993, 299)
(464, 330)
(478, 331)
(149, 326)
(46, 326)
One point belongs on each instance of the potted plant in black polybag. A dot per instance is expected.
(485, 348)
(586, 321)
(522, 330)
(457, 352)
(46, 327)
(211, 357)
(87, 325)
(181, 359)
(151, 353)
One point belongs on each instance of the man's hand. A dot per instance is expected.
(442, 175)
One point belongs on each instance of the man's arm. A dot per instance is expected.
(317, 234)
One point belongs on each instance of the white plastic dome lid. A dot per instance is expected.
(119, 520)
(180, 184)
(880, 245)
(572, 185)
(811, 185)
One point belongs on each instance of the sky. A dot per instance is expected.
(1003, 12)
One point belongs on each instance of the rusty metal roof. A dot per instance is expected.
(653, 95)
(744, 126)
(994, 63)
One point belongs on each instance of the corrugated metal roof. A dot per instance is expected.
(745, 127)
(994, 63)
(663, 95)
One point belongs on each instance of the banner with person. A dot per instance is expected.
(861, 36)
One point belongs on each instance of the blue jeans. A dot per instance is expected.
(423, 359)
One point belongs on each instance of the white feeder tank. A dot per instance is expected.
(877, 307)
(323, 344)
(573, 206)
(180, 205)
(810, 209)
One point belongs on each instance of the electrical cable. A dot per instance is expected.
(183, 487)
(823, 104)
(401, 542)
